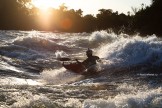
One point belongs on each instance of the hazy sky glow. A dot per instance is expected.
(92, 6)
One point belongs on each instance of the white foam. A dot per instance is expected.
(18, 81)
(134, 50)
(145, 99)
(26, 99)
(60, 54)
(59, 76)
(98, 38)
(73, 103)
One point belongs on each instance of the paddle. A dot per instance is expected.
(69, 59)
(75, 59)
(64, 59)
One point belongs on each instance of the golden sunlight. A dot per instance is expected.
(44, 13)
(45, 4)
(44, 19)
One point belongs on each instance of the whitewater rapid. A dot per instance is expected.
(32, 76)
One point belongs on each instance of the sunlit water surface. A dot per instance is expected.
(31, 75)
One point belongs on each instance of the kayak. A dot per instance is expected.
(74, 67)
(79, 68)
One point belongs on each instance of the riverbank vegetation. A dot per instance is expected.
(23, 15)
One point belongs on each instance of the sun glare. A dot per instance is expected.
(44, 16)
(45, 4)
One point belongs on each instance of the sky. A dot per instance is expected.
(92, 6)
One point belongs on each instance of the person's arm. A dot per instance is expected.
(98, 59)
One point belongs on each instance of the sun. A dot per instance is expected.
(44, 14)
(45, 4)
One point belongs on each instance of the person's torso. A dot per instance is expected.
(90, 61)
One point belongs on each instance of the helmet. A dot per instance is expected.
(89, 52)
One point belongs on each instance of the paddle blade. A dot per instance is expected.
(64, 59)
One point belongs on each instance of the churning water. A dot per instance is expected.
(31, 75)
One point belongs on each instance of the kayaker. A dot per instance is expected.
(91, 60)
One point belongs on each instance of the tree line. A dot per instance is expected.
(22, 15)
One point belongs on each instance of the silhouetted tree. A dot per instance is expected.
(22, 15)
(149, 20)
(14, 14)
(90, 23)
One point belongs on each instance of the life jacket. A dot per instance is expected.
(90, 61)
